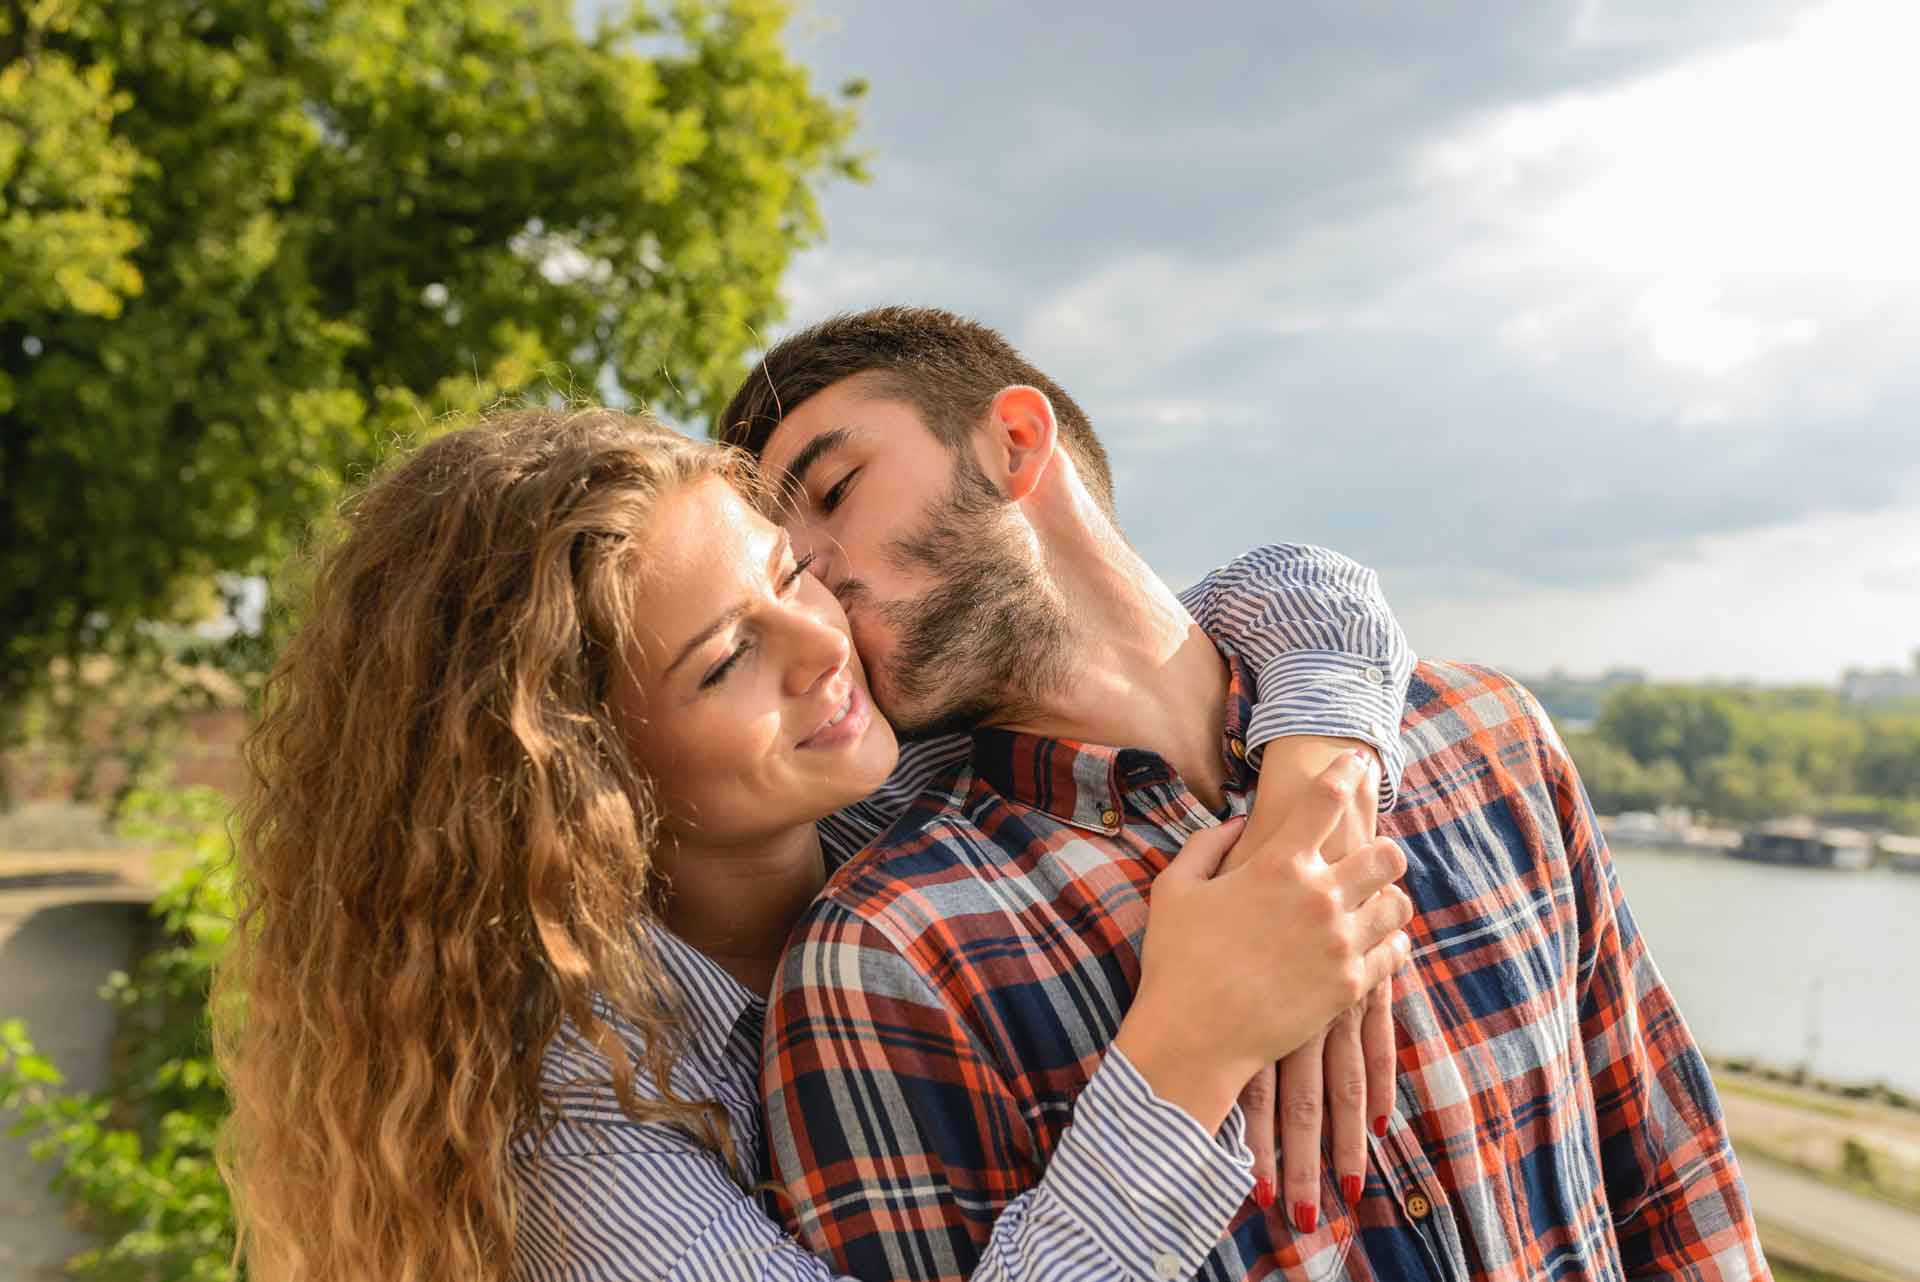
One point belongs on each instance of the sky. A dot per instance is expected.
(1593, 327)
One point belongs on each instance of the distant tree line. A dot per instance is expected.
(1743, 755)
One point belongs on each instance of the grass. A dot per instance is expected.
(1800, 1273)
(1804, 1100)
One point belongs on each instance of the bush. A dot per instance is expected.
(139, 1156)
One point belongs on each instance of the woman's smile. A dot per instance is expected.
(847, 723)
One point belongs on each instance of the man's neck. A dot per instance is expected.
(738, 904)
(1140, 672)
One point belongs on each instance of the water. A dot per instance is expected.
(1792, 967)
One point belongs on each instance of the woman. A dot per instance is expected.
(466, 979)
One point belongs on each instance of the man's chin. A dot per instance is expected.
(935, 717)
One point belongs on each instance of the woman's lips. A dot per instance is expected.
(847, 723)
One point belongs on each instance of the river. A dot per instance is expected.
(1790, 967)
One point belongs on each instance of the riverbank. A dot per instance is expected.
(1834, 1174)
(1864, 1144)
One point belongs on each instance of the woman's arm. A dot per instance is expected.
(1331, 667)
(1135, 1189)
(1328, 656)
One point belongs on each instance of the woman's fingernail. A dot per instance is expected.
(1380, 1126)
(1263, 1193)
(1350, 1187)
(1305, 1216)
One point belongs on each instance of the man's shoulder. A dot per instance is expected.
(1449, 701)
(924, 866)
(1463, 719)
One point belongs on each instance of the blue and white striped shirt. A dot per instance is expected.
(1135, 1190)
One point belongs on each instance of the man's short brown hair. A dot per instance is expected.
(947, 367)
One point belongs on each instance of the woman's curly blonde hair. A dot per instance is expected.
(447, 851)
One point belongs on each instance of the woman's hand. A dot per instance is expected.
(1341, 1082)
(1242, 965)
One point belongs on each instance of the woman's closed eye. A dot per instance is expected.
(800, 567)
(720, 670)
(746, 644)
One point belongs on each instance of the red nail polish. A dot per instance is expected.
(1305, 1216)
(1350, 1187)
(1380, 1126)
(1263, 1193)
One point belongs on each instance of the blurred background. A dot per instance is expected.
(1590, 325)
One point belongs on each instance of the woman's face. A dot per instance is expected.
(748, 708)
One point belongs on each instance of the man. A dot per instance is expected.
(944, 998)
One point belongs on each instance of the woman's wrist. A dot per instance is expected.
(1167, 1055)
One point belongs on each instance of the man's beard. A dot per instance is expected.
(990, 638)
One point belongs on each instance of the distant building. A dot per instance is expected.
(1803, 842)
(1882, 685)
(1902, 852)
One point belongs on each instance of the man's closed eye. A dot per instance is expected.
(834, 497)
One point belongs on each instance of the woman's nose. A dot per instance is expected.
(820, 651)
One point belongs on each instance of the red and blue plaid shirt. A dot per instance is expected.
(951, 991)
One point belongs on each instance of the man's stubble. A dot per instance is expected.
(992, 638)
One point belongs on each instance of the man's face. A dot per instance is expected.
(939, 578)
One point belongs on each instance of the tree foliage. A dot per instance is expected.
(1745, 754)
(139, 1156)
(244, 243)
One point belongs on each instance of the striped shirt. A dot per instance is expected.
(954, 986)
(1134, 1188)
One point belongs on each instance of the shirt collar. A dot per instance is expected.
(717, 1004)
(1084, 784)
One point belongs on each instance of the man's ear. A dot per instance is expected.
(1022, 436)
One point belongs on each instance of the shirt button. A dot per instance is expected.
(1375, 676)
(1238, 747)
(1166, 1266)
(1110, 818)
(1418, 1206)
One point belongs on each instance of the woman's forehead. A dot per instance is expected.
(706, 550)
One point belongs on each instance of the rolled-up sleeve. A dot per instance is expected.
(1328, 654)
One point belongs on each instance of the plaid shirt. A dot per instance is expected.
(951, 990)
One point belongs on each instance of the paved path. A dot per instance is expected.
(1860, 1227)
(66, 923)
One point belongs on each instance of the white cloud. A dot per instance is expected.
(1784, 157)
(1136, 313)
(1726, 206)
(1688, 327)
(1799, 601)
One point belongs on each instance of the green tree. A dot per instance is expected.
(1617, 782)
(1890, 759)
(244, 243)
(1737, 786)
(1685, 726)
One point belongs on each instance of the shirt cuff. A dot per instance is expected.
(1332, 693)
(1143, 1180)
